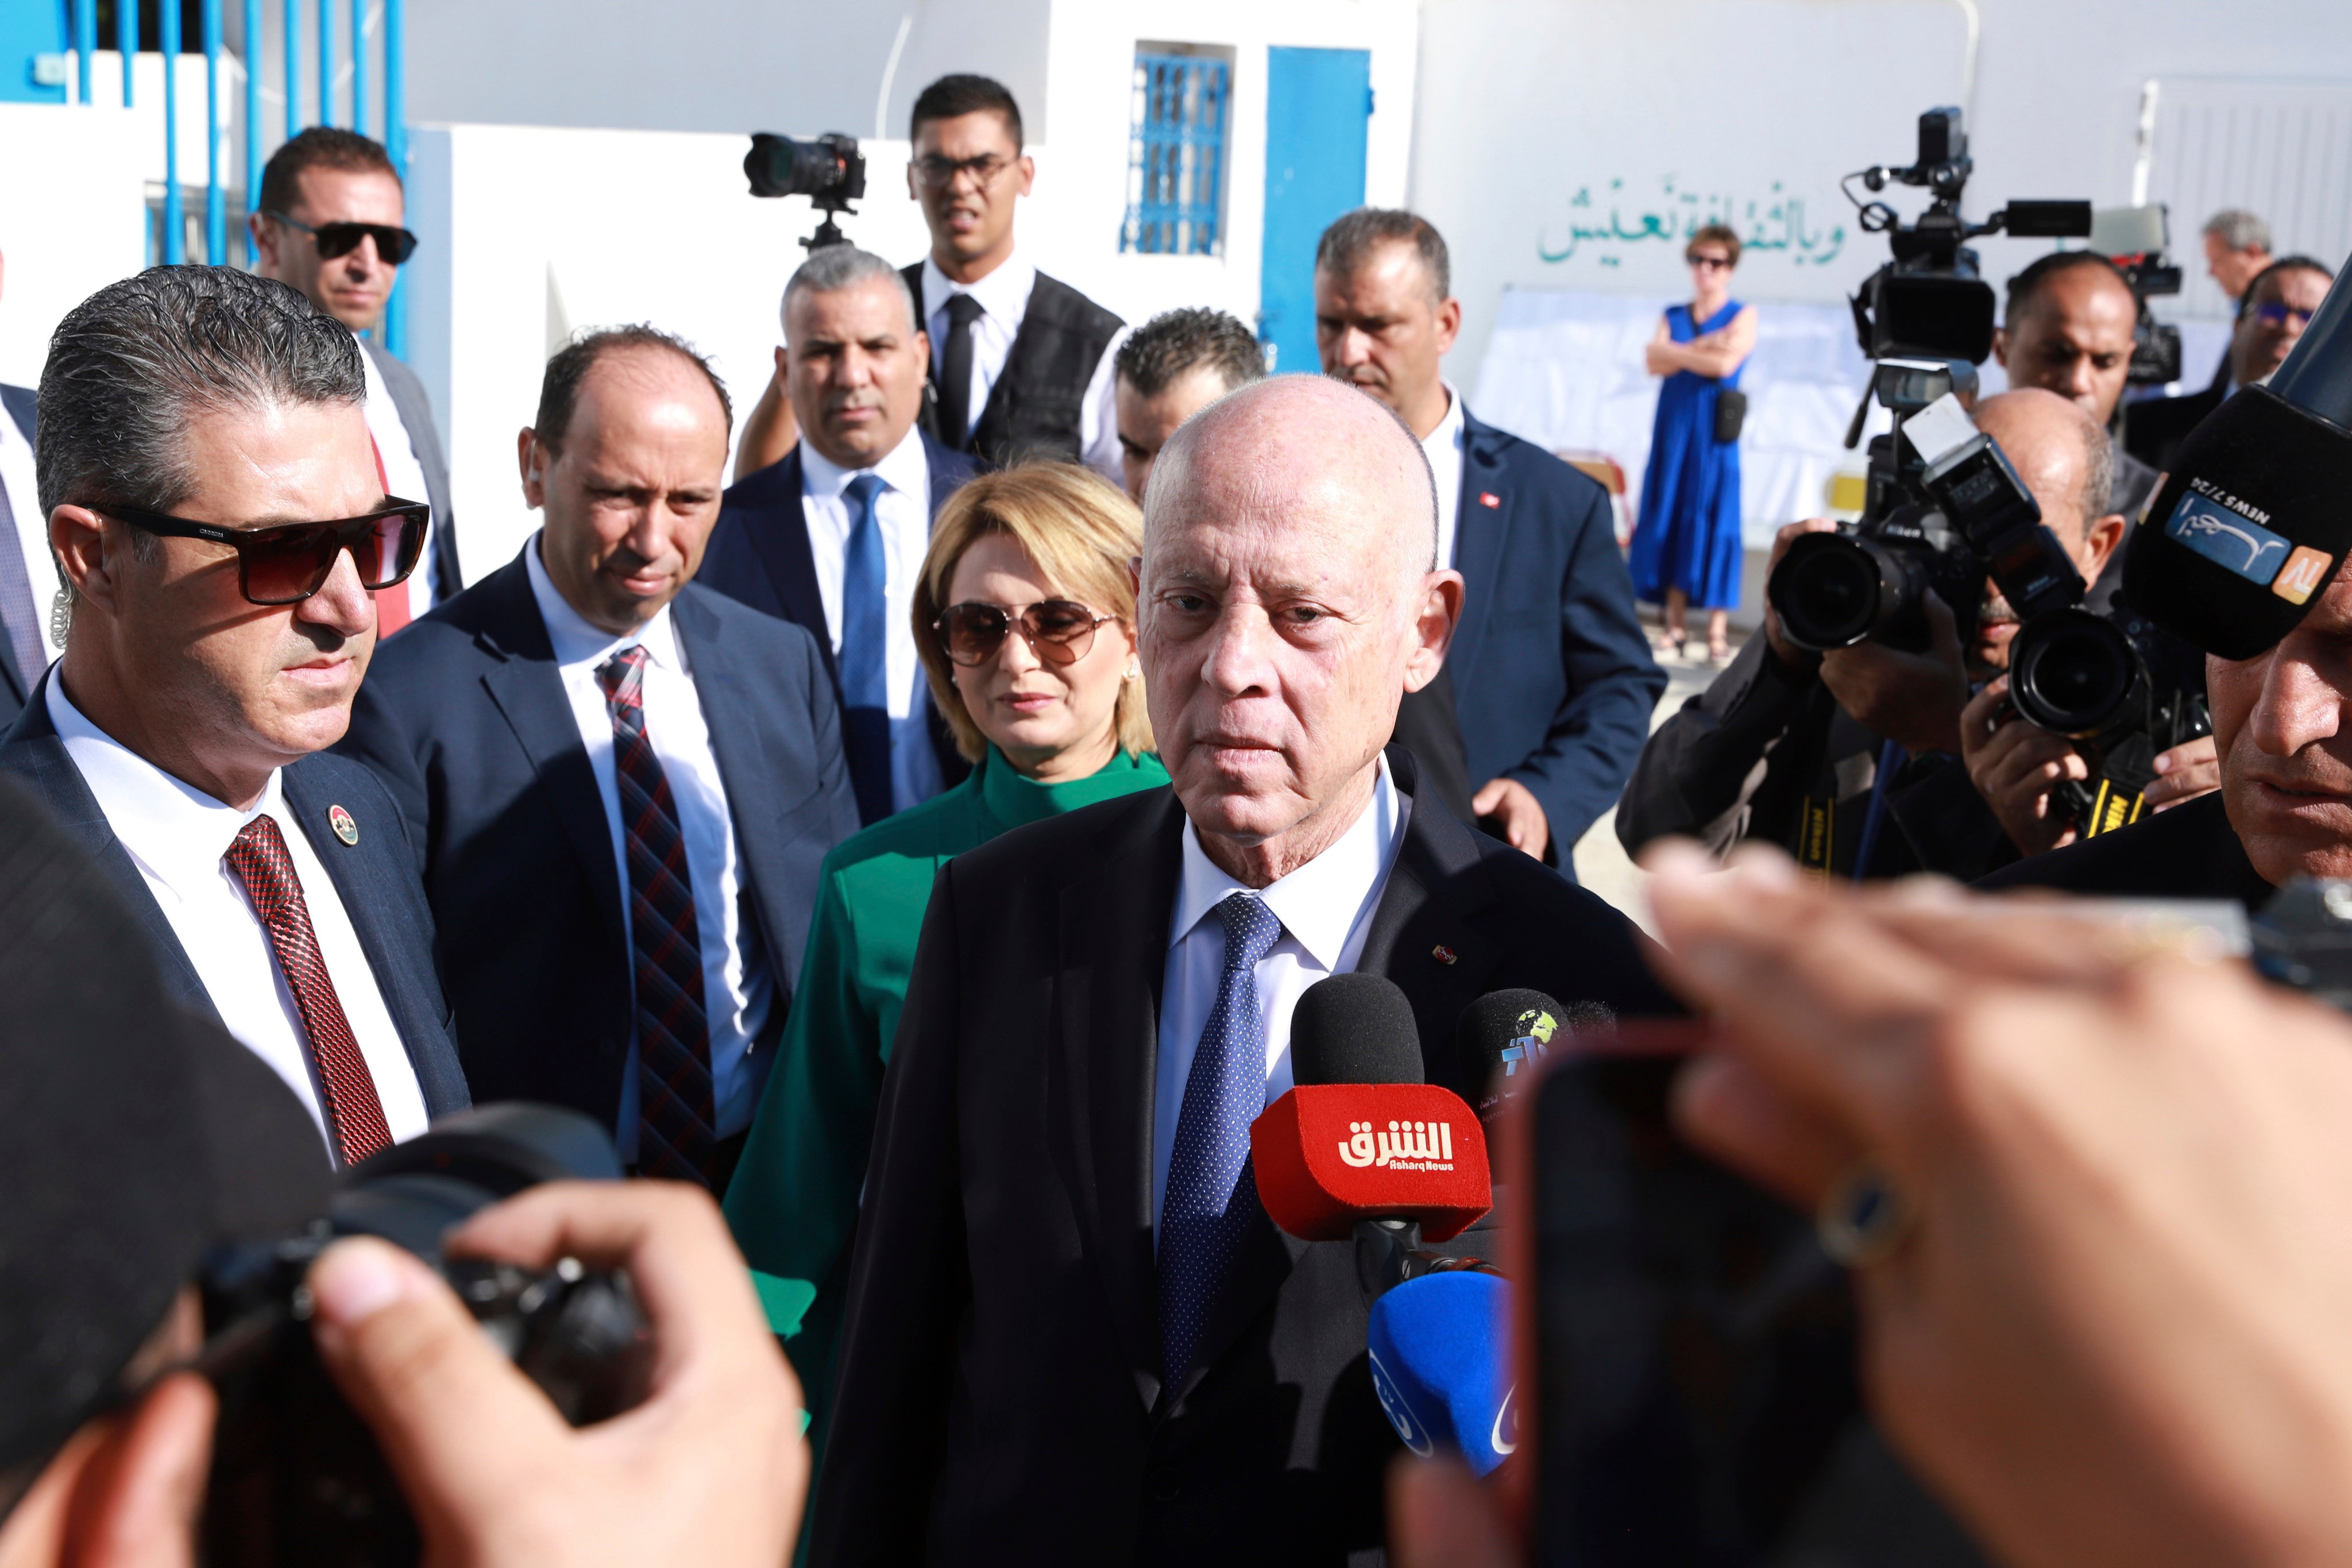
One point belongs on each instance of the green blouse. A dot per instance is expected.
(793, 1201)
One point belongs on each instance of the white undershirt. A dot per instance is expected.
(176, 836)
(738, 990)
(1443, 445)
(903, 512)
(1004, 297)
(403, 476)
(23, 484)
(1326, 909)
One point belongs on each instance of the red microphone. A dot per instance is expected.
(1361, 1138)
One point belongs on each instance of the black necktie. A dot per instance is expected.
(955, 372)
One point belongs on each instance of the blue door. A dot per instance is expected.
(1318, 106)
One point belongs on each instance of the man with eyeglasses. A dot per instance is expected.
(2272, 314)
(220, 523)
(622, 783)
(329, 224)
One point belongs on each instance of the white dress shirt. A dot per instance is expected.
(1326, 909)
(176, 836)
(403, 476)
(1443, 445)
(738, 990)
(903, 512)
(1004, 297)
(17, 476)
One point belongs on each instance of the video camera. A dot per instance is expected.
(296, 1477)
(829, 171)
(2136, 240)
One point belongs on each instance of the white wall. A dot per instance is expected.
(72, 188)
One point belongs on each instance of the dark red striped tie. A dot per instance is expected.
(677, 1126)
(354, 1115)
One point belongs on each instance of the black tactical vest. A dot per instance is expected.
(1035, 407)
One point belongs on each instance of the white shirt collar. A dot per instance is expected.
(576, 642)
(176, 829)
(1004, 293)
(1447, 436)
(1319, 903)
(904, 467)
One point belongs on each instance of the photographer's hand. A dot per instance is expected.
(710, 1470)
(1912, 698)
(2188, 770)
(1791, 655)
(2015, 766)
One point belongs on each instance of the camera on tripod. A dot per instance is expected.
(829, 171)
(2136, 240)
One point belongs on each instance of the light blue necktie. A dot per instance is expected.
(865, 652)
(1211, 1196)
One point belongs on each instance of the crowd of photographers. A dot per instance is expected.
(2078, 1334)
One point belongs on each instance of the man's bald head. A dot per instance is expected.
(2060, 452)
(1289, 601)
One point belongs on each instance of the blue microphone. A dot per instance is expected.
(1441, 1366)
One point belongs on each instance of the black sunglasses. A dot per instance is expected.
(287, 562)
(1058, 631)
(394, 245)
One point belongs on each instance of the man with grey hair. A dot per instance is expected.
(831, 536)
(2237, 248)
(1074, 1334)
(217, 516)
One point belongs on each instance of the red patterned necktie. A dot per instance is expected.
(677, 1126)
(354, 1115)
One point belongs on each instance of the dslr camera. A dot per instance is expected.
(829, 171)
(296, 1477)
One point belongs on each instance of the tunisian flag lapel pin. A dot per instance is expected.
(345, 828)
(1488, 498)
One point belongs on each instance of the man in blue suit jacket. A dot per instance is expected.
(831, 536)
(620, 783)
(23, 555)
(1551, 676)
(178, 738)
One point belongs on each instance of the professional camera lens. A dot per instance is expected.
(2073, 673)
(1829, 590)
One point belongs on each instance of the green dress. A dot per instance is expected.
(793, 1201)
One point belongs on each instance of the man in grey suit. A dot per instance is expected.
(329, 224)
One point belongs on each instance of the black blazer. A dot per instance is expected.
(24, 406)
(2188, 852)
(759, 553)
(1000, 1395)
(464, 718)
(1552, 675)
(375, 878)
(2154, 429)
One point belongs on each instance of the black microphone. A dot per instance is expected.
(2250, 523)
(1501, 1039)
(1354, 1028)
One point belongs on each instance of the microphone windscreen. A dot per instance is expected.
(1328, 1155)
(1501, 1039)
(1440, 1363)
(1354, 1028)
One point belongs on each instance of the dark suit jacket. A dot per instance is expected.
(2189, 852)
(1552, 675)
(1000, 1397)
(465, 718)
(375, 878)
(759, 553)
(24, 406)
(2154, 429)
(425, 439)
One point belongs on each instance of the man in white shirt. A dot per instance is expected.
(187, 411)
(330, 224)
(624, 781)
(833, 536)
(1060, 1225)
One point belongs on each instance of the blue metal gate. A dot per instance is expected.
(1318, 107)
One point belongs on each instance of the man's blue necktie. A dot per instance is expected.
(865, 652)
(1211, 1196)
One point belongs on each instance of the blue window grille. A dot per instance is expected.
(1176, 156)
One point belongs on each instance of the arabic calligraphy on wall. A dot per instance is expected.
(1607, 226)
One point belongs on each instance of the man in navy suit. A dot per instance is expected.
(831, 536)
(201, 425)
(1552, 679)
(620, 783)
(29, 575)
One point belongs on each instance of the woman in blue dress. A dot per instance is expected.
(1686, 548)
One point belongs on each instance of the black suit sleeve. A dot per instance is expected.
(909, 1283)
(1697, 766)
(1613, 684)
(378, 740)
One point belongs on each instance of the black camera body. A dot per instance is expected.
(828, 170)
(296, 1477)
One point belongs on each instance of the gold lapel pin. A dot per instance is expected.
(345, 828)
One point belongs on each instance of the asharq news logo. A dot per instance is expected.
(1403, 1146)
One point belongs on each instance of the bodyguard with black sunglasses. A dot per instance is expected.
(620, 783)
(329, 223)
(219, 522)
